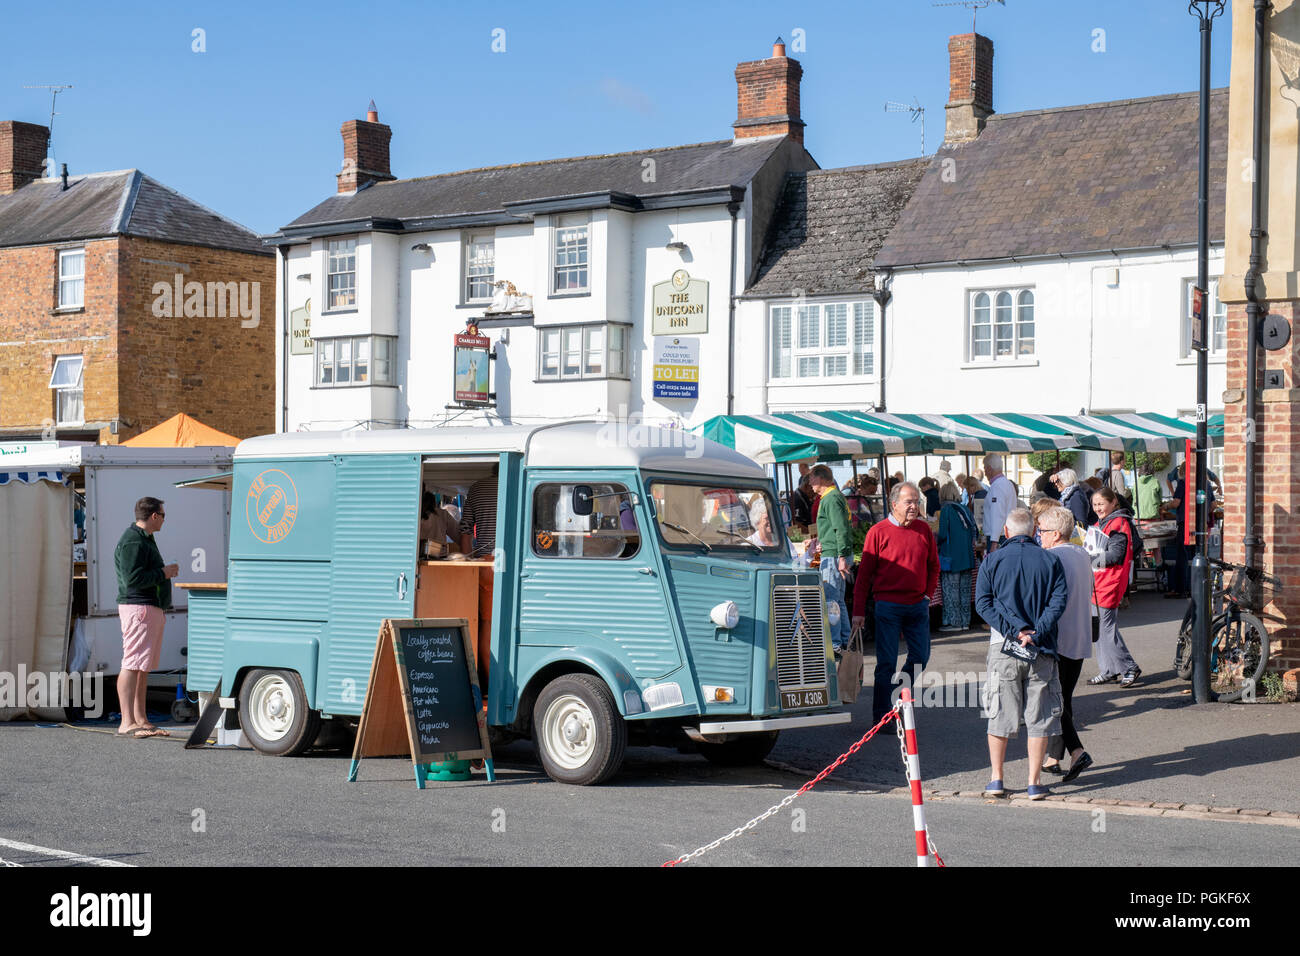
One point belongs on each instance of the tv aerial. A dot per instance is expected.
(917, 111)
(55, 89)
(975, 7)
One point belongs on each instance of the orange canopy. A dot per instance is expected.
(181, 431)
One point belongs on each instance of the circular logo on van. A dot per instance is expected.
(271, 506)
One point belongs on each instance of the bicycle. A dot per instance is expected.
(1238, 639)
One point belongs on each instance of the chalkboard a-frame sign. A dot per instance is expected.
(423, 698)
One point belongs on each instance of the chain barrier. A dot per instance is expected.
(694, 854)
(929, 841)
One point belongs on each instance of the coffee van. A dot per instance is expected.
(639, 589)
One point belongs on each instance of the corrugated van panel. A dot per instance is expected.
(289, 590)
(717, 661)
(206, 640)
(575, 601)
(376, 521)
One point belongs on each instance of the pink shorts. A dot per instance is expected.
(142, 634)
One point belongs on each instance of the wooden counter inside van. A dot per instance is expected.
(459, 589)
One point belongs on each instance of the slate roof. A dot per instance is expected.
(122, 203)
(701, 166)
(829, 226)
(1117, 175)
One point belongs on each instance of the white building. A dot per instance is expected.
(1040, 261)
(376, 282)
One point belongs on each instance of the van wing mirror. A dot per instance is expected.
(582, 496)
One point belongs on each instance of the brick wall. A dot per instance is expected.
(33, 334)
(207, 366)
(1277, 475)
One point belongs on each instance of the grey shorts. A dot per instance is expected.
(1015, 688)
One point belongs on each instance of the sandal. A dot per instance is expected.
(144, 732)
(129, 731)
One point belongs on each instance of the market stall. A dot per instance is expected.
(835, 436)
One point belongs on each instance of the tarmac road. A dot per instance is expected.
(152, 803)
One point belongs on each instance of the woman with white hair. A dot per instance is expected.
(1073, 635)
(1075, 496)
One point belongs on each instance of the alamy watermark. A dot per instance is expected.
(52, 689)
(631, 430)
(212, 300)
(945, 689)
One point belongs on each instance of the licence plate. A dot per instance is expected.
(794, 700)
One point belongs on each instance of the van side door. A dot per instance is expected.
(376, 525)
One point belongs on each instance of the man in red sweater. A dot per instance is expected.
(900, 570)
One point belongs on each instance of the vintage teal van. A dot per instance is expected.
(639, 589)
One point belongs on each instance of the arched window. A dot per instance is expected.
(981, 328)
(1025, 323)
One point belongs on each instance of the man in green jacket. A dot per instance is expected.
(835, 538)
(143, 592)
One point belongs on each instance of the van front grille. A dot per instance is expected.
(800, 637)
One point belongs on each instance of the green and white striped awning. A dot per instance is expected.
(837, 435)
(968, 434)
(1144, 431)
(824, 436)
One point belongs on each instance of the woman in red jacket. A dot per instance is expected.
(1111, 545)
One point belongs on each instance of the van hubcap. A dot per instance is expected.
(271, 707)
(568, 732)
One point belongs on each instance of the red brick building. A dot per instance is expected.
(122, 303)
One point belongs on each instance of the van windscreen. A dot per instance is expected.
(717, 516)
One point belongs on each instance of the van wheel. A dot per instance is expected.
(745, 751)
(579, 733)
(274, 713)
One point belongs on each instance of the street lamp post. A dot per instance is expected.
(1205, 11)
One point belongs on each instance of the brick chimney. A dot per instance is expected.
(365, 152)
(970, 86)
(767, 97)
(22, 154)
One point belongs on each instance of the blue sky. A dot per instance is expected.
(251, 126)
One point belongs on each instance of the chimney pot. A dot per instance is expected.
(778, 48)
(64, 175)
(372, 113)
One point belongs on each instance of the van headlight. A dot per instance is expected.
(725, 615)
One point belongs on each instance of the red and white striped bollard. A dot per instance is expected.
(914, 779)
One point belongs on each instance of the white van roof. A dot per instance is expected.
(565, 445)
